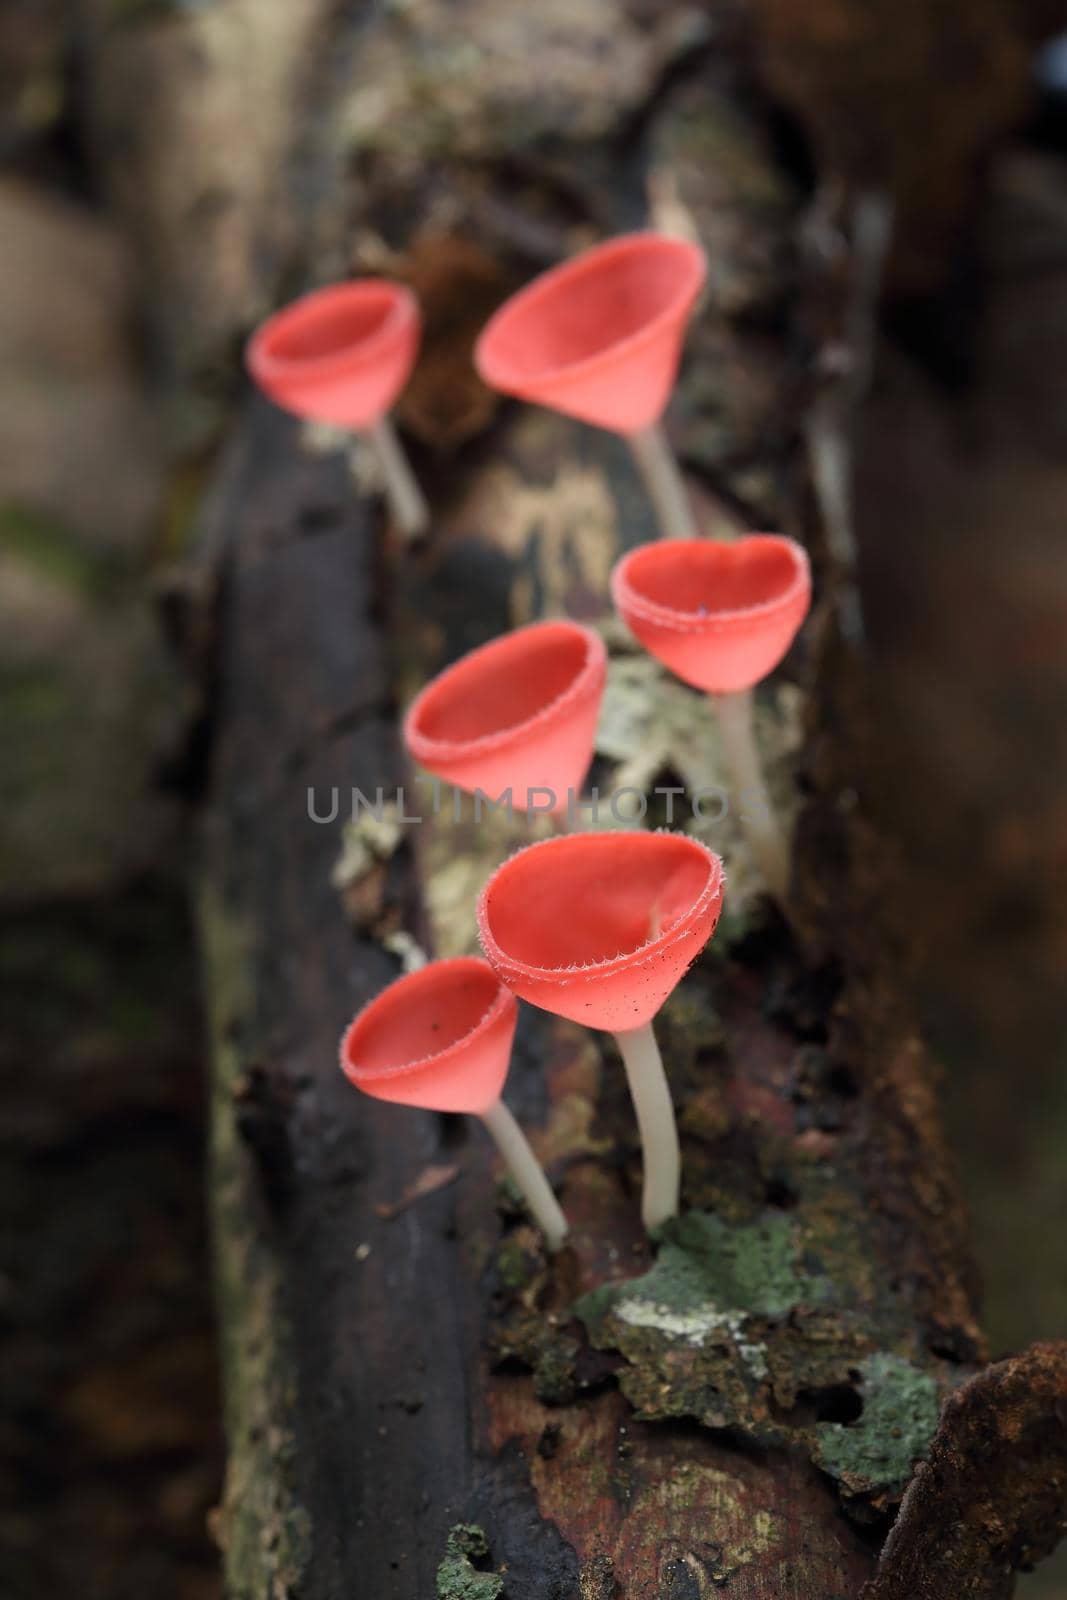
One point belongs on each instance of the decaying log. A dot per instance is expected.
(992, 1496)
(393, 1377)
(418, 1401)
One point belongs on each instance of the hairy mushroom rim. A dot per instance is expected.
(423, 1018)
(601, 928)
(615, 900)
(703, 586)
(440, 1039)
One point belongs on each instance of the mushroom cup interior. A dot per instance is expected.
(700, 578)
(503, 685)
(591, 305)
(595, 898)
(421, 1017)
(330, 325)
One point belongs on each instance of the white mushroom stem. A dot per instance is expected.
(407, 505)
(527, 1173)
(765, 838)
(663, 479)
(655, 1122)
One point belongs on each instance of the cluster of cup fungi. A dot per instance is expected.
(597, 927)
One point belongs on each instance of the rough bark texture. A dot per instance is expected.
(418, 1398)
(992, 1497)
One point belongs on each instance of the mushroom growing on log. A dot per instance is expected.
(600, 338)
(440, 1038)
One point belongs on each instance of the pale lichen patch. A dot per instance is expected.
(694, 1325)
(901, 1407)
(745, 1326)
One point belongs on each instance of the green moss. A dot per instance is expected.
(900, 1412)
(457, 1576)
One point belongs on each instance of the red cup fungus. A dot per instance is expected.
(600, 928)
(722, 617)
(599, 338)
(518, 714)
(341, 355)
(440, 1038)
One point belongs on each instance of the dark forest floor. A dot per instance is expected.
(108, 1391)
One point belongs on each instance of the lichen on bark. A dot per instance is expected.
(733, 1325)
(457, 1576)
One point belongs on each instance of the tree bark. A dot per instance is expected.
(417, 1399)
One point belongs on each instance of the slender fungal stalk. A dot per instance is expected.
(406, 502)
(765, 838)
(526, 1170)
(655, 1121)
(664, 482)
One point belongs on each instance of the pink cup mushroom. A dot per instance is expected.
(516, 714)
(600, 928)
(721, 617)
(342, 355)
(600, 338)
(440, 1038)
